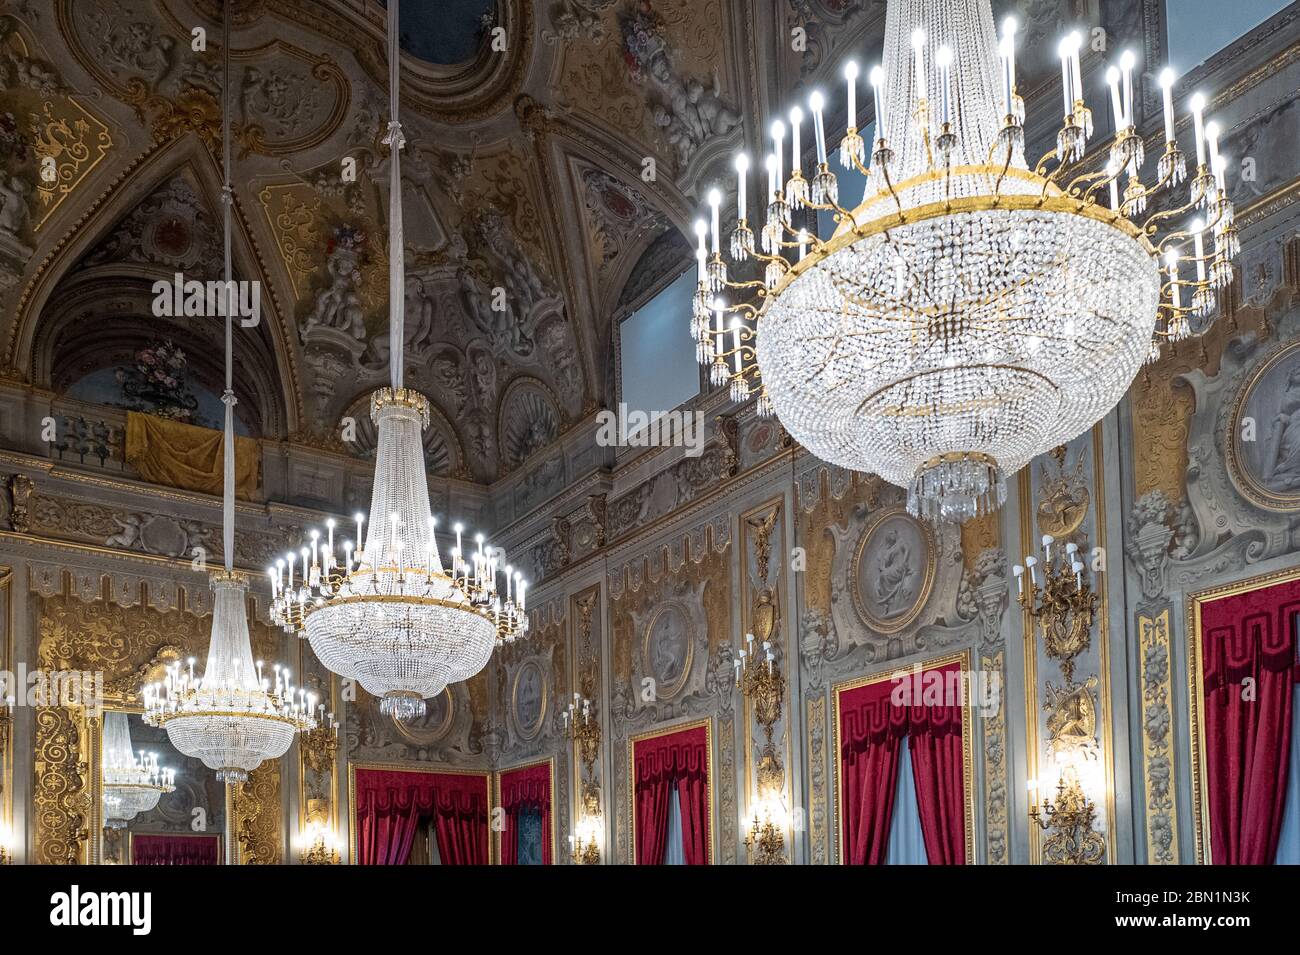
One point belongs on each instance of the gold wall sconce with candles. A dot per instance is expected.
(584, 730)
(1063, 605)
(763, 685)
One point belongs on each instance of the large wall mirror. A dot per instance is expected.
(155, 806)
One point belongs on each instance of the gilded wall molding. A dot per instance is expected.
(1158, 769)
(256, 816)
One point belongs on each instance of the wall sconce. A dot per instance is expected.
(766, 840)
(1065, 603)
(763, 684)
(318, 842)
(1068, 816)
(584, 729)
(585, 843)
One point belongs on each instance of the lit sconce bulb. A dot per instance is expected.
(918, 56)
(878, 90)
(715, 199)
(1167, 95)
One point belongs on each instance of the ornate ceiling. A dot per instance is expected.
(550, 146)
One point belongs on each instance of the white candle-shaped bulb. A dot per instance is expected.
(1112, 80)
(736, 326)
(1197, 105)
(1175, 291)
(796, 119)
(1048, 541)
(329, 526)
(1008, 51)
(742, 170)
(459, 529)
(701, 253)
(778, 137)
(816, 102)
(803, 243)
(851, 80)
(1019, 572)
(1126, 62)
(943, 60)
(1198, 243)
(878, 91)
(1212, 143)
(1075, 41)
(315, 547)
(1067, 82)
(772, 185)
(918, 58)
(1167, 95)
(715, 200)
(1220, 166)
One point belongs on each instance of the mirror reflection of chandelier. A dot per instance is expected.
(132, 783)
(393, 615)
(231, 717)
(971, 312)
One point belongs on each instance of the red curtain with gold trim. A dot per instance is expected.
(392, 805)
(527, 788)
(874, 721)
(1248, 654)
(678, 760)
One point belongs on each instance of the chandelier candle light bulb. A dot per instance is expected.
(972, 311)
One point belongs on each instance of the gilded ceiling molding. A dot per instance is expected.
(153, 166)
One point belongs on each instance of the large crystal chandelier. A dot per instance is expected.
(393, 615)
(133, 783)
(969, 312)
(231, 717)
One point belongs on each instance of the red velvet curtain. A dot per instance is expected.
(676, 759)
(873, 722)
(1248, 654)
(160, 849)
(392, 805)
(527, 788)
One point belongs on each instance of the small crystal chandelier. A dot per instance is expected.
(231, 717)
(392, 615)
(970, 312)
(132, 783)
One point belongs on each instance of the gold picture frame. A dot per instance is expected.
(1196, 694)
(1246, 483)
(549, 763)
(707, 723)
(963, 658)
(902, 621)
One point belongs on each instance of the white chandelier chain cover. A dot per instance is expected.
(232, 717)
(391, 614)
(132, 782)
(969, 312)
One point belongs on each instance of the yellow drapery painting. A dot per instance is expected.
(185, 456)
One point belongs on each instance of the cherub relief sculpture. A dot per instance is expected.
(339, 305)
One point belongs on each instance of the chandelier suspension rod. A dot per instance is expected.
(396, 267)
(228, 297)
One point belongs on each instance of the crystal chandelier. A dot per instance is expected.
(132, 783)
(231, 717)
(392, 615)
(970, 312)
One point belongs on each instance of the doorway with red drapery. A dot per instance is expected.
(390, 807)
(1245, 660)
(666, 762)
(520, 790)
(169, 848)
(873, 723)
